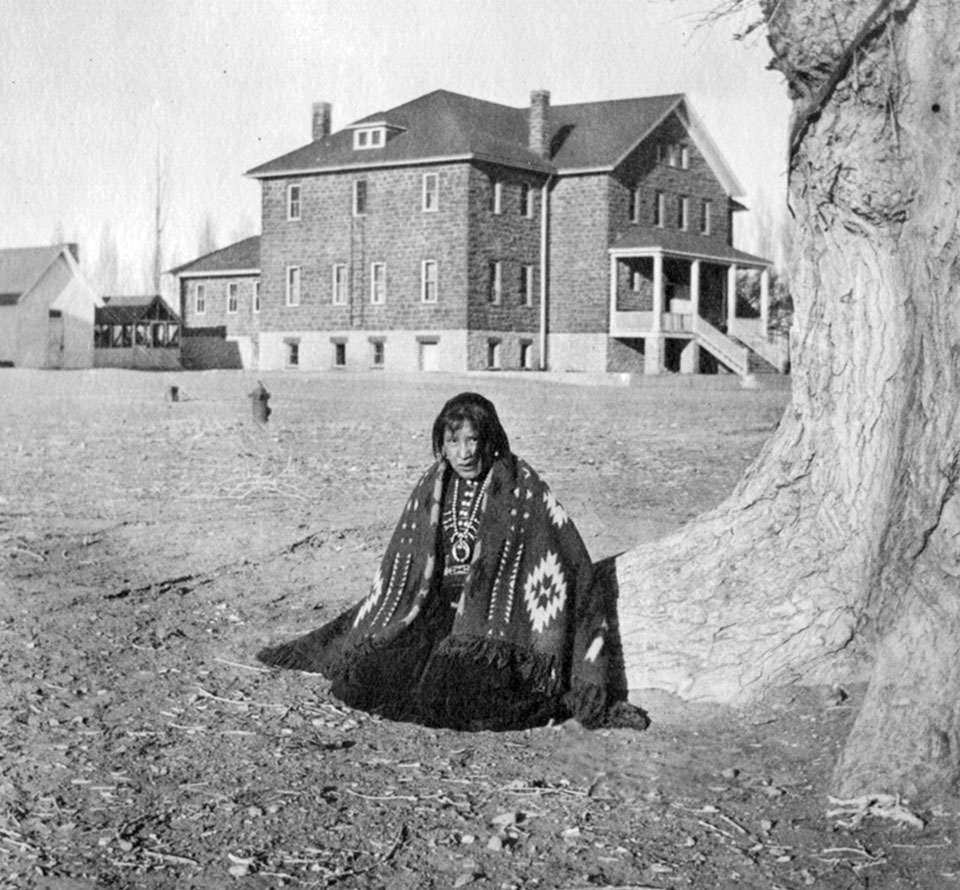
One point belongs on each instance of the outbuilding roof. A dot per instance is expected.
(132, 309)
(443, 126)
(21, 268)
(241, 256)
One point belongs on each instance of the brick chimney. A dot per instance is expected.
(539, 138)
(321, 120)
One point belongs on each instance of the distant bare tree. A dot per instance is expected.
(243, 229)
(106, 275)
(207, 239)
(771, 234)
(161, 183)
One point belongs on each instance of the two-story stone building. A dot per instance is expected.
(458, 234)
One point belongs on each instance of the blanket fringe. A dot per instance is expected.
(317, 651)
(589, 704)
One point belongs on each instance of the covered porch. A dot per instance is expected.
(674, 295)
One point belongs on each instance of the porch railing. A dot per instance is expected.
(635, 324)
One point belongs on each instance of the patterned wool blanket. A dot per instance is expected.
(526, 640)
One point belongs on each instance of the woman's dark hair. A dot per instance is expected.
(472, 407)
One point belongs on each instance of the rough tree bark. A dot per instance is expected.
(838, 554)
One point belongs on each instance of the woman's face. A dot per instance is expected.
(461, 448)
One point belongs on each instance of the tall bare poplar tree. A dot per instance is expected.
(839, 551)
(107, 273)
(159, 221)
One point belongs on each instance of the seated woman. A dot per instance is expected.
(484, 613)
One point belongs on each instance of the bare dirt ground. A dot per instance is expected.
(148, 548)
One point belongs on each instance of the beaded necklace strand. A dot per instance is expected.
(462, 519)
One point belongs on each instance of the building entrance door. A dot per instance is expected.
(429, 356)
(55, 343)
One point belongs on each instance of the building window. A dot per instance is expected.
(685, 157)
(377, 352)
(378, 283)
(292, 350)
(431, 195)
(293, 202)
(526, 354)
(494, 282)
(496, 196)
(683, 213)
(659, 209)
(705, 211)
(429, 283)
(633, 208)
(256, 296)
(233, 297)
(493, 354)
(359, 197)
(339, 284)
(293, 285)
(369, 137)
(339, 353)
(660, 153)
(526, 200)
(526, 285)
(673, 154)
(200, 300)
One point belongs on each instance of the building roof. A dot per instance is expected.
(642, 239)
(600, 134)
(21, 268)
(131, 309)
(242, 256)
(443, 126)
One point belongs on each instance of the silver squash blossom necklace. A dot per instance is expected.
(463, 519)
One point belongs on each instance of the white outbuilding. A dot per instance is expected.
(47, 308)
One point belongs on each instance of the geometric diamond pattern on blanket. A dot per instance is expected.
(545, 592)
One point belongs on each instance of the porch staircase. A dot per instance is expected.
(724, 349)
(743, 351)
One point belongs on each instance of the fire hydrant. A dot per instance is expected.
(259, 398)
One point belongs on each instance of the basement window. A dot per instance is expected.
(493, 355)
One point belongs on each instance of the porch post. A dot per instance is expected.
(731, 296)
(613, 293)
(695, 288)
(690, 356)
(765, 300)
(657, 326)
(655, 345)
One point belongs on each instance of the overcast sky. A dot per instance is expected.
(93, 90)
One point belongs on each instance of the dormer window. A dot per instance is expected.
(370, 137)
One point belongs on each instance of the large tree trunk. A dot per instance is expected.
(839, 552)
